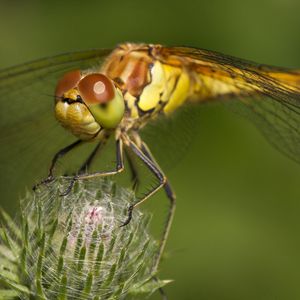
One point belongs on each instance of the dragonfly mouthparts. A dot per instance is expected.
(70, 100)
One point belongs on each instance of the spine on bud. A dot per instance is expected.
(73, 247)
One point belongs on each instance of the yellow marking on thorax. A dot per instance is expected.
(130, 100)
(170, 85)
(179, 87)
(152, 92)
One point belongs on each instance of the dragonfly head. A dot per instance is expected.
(85, 101)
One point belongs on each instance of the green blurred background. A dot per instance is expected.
(236, 229)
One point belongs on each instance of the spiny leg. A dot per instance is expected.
(153, 168)
(134, 172)
(172, 198)
(85, 166)
(56, 157)
(167, 186)
(119, 168)
(170, 194)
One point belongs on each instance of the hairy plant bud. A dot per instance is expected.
(73, 247)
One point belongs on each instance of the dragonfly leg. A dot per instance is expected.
(167, 185)
(153, 168)
(85, 166)
(134, 172)
(56, 157)
(145, 155)
(119, 168)
(172, 198)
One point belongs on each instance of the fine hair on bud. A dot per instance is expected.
(73, 247)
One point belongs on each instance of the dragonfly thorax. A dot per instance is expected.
(149, 85)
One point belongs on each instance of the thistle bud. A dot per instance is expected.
(73, 247)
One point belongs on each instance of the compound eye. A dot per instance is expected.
(67, 82)
(96, 88)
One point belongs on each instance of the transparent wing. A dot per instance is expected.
(169, 138)
(268, 96)
(29, 133)
(278, 122)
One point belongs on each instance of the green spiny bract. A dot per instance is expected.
(73, 247)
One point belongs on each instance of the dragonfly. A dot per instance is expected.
(116, 93)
